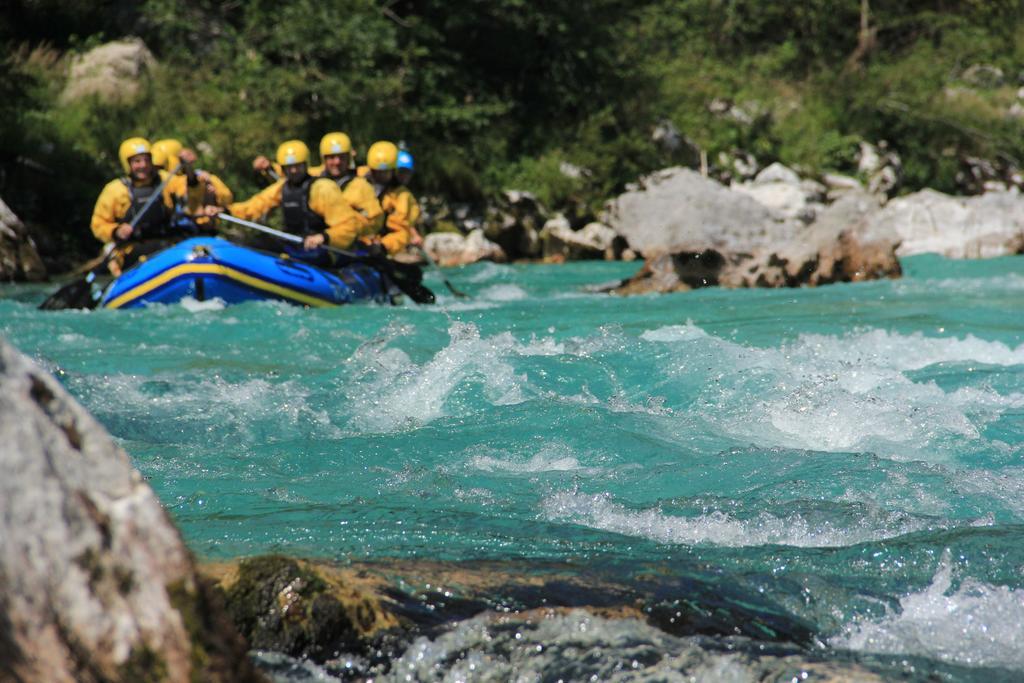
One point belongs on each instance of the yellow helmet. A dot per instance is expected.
(130, 148)
(382, 156)
(292, 152)
(335, 143)
(165, 153)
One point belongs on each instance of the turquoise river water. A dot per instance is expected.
(854, 453)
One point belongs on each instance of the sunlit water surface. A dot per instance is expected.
(853, 453)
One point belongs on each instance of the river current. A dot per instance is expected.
(853, 454)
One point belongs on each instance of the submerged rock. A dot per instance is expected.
(494, 621)
(95, 582)
(577, 645)
(19, 259)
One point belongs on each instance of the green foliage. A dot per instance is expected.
(545, 177)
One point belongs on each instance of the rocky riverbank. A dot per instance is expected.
(772, 229)
(97, 585)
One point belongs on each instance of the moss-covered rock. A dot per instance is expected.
(300, 608)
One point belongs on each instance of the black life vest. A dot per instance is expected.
(380, 189)
(299, 219)
(156, 221)
(342, 180)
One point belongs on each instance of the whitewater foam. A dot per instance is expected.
(884, 349)
(599, 511)
(488, 271)
(245, 406)
(842, 393)
(977, 624)
(675, 333)
(503, 292)
(551, 458)
(412, 395)
(195, 306)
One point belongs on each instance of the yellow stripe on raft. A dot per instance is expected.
(215, 269)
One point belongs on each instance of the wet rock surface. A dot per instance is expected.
(321, 611)
(514, 223)
(496, 621)
(300, 608)
(578, 645)
(96, 582)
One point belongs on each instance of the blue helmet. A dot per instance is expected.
(405, 160)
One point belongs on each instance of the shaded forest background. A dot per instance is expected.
(493, 94)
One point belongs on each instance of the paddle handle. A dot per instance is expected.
(286, 236)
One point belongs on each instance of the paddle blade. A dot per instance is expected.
(418, 293)
(451, 288)
(433, 264)
(82, 293)
(408, 278)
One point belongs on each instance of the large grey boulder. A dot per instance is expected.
(958, 227)
(678, 209)
(19, 259)
(453, 249)
(113, 72)
(95, 582)
(835, 248)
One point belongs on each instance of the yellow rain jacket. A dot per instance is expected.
(112, 207)
(403, 212)
(358, 192)
(325, 199)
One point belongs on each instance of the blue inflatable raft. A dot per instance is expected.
(211, 268)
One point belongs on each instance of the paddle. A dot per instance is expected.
(406, 277)
(437, 269)
(83, 292)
